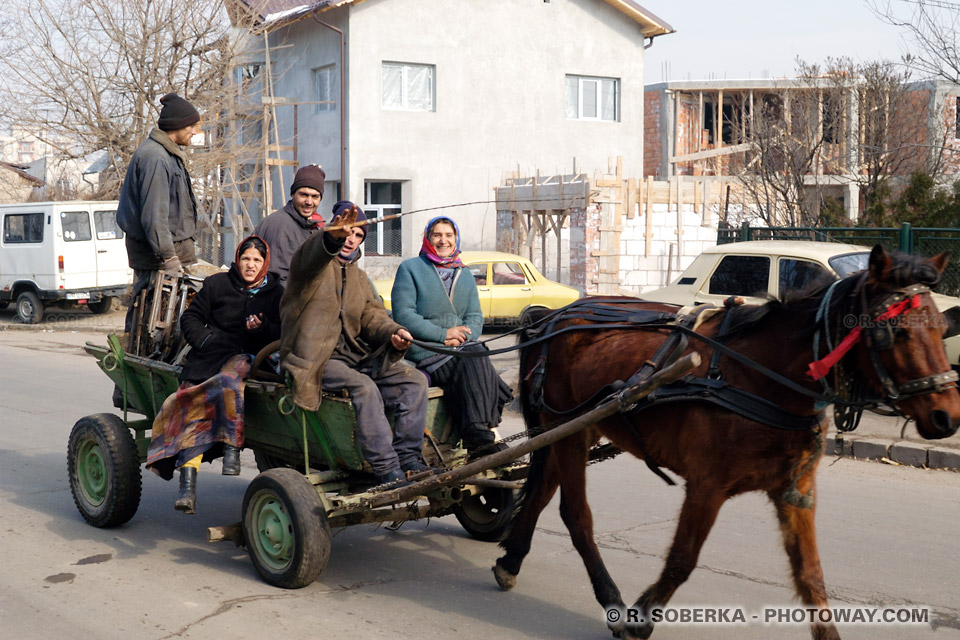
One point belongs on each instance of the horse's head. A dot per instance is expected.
(901, 349)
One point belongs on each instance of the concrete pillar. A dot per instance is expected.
(851, 201)
(578, 249)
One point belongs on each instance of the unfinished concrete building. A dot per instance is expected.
(850, 135)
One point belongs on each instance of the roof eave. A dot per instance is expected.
(651, 25)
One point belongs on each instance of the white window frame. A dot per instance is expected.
(598, 105)
(327, 74)
(380, 211)
(405, 70)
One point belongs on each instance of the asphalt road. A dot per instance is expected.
(887, 538)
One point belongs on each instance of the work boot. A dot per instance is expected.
(187, 500)
(476, 436)
(231, 460)
(415, 465)
(395, 478)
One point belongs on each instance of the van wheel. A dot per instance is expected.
(29, 308)
(104, 305)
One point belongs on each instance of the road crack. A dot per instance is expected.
(234, 602)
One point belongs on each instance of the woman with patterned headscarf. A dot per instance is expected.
(233, 317)
(435, 297)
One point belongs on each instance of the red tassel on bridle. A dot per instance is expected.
(820, 368)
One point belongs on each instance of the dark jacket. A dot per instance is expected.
(284, 231)
(157, 208)
(421, 304)
(322, 300)
(215, 322)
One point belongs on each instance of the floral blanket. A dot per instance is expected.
(199, 420)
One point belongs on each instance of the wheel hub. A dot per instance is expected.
(92, 472)
(274, 531)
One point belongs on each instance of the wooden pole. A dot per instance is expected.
(648, 222)
(621, 402)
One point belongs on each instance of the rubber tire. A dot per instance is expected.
(282, 509)
(29, 308)
(103, 306)
(4, 304)
(104, 470)
(531, 315)
(486, 516)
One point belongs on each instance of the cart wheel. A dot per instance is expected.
(104, 470)
(486, 515)
(29, 308)
(285, 528)
(101, 306)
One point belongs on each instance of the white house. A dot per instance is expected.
(443, 96)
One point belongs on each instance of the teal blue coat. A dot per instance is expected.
(421, 304)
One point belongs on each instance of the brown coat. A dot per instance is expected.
(317, 289)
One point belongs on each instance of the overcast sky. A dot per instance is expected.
(762, 38)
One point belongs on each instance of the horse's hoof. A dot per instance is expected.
(505, 579)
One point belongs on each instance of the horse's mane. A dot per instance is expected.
(802, 306)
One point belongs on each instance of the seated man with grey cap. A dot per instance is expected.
(335, 335)
(286, 229)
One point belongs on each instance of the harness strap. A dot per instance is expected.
(741, 402)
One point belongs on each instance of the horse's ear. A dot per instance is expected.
(879, 262)
(940, 261)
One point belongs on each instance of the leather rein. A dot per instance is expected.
(712, 388)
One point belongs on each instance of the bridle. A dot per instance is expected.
(877, 326)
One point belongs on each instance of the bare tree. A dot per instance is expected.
(789, 144)
(931, 30)
(87, 75)
(839, 123)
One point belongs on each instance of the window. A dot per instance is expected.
(326, 89)
(407, 87)
(21, 228)
(593, 98)
(382, 199)
(850, 263)
(796, 275)
(508, 273)
(75, 226)
(479, 272)
(106, 224)
(741, 276)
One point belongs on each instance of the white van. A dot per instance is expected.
(62, 254)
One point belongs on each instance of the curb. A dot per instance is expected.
(899, 452)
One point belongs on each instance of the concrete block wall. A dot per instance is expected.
(640, 272)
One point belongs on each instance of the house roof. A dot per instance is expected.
(274, 13)
(37, 182)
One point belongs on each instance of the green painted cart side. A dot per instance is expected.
(273, 425)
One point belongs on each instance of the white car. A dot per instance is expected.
(763, 269)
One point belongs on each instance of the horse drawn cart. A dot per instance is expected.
(312, 471)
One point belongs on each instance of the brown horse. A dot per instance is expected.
(896, 353)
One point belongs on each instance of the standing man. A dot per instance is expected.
(333, 330)
(157, 207)
(286, 229)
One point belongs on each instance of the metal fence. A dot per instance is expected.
(924, 241)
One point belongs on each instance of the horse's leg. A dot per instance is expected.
(700, 508)
(800, 541)
(541, 484)
(571, 456)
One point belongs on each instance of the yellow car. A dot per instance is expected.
(509, 286)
